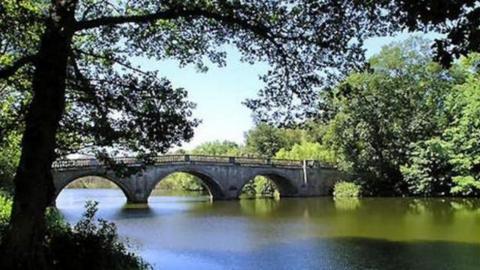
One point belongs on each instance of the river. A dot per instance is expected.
(191, 232)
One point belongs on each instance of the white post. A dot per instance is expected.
(305, 180)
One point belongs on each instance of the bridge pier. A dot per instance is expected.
(139, 196)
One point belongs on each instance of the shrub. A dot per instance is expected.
(346, 190)
(465, 186)
(90, 244)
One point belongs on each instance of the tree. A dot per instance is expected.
(308, 151)
(217, 148)
(380, 112)
(74, 55)
(428, 171)
(464, 132)
(450, 163)
(265, 140)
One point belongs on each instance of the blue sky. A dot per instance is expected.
(219, 92)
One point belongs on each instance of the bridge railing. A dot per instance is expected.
(65, 164)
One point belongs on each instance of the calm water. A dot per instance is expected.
(190, 232)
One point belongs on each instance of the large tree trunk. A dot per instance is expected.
(23, 247)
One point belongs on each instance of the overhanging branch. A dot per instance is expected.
(12, 69)
(115, 60)
(181, 12)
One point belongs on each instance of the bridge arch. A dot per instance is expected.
(283, 183)
(207, 180)
(59, 187)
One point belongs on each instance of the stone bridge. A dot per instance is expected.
(224, 177)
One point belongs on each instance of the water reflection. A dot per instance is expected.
(347, 203)
(185, 232)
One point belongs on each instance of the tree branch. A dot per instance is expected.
(9, 71)
(115, 60)
(86, 86)
(181, 12)
(184, 12)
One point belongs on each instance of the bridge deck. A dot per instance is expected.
(69, 164)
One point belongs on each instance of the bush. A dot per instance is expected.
(90, 244)
(466, 186)
(346, 190)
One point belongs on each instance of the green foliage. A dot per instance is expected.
(463, 132)
(90, 244)
(347, 203)
(138, 111)
(378, 114)
(466, 185)
(457, 21)
(409, 126)
(308, 151)
(9, 158)
(188, 182)
(217, 148)
(266, 140)
(181, 182)
(10, 136)
(450, 164)
(260, 186)
(5, 210)
(428, 172)
(346, 190)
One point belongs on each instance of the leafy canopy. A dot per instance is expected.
(113, 103)
(378, 113)
(450, 162)
(457, 20)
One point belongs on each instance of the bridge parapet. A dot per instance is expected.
(72, 164)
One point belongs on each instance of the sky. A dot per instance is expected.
(219, 92)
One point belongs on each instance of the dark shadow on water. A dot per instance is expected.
(132, 211)
(348, 254)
